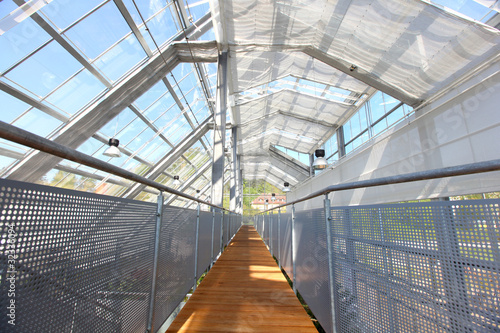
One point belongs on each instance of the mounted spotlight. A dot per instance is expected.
(273, 197)
(113, 150)
(320, 162)
(286, 187)
(176, 182)
(353, 67)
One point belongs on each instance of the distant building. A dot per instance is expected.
(261, 204)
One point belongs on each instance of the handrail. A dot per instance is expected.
(459, 170)
(25, 138)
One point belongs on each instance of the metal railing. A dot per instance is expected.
(432, 266)
(20, 136)
(154, 222)
(83, 262)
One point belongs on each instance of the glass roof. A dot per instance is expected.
(76, 72)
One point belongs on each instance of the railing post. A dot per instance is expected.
(213, 235)
(294, 268)
(222, 232)
(159, 214)
(279, 238)
(196, 247)
(271, 234)
(331, 269)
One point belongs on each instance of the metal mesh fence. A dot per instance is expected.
(312, 264)
(217, 235)
(431, 267)
(81, 262)
(276, 236)
(419, 267)
(286, 243)
(72, 261)
(205, 242)
(175, 275)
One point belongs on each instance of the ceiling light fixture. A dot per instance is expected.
(286, 187)
(320, 162)
(273, 197)
(176, 182)
(113, 150)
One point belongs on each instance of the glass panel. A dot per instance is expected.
(179, 130)
(156, 112)
(48, 68)
(209, 35)
(118, 124)
(37, 122)
(121, 58)
(65, 12)
(140, 140)
(163, 27)
(469, 8)
(91, 146)
(155, 150)
(8, 6)
(77, 92)
(150, 96)
(12, 107)
(147, 8)
(331, 145)
(19, 41)
(376, 106)
(106, 26)
(5, 162)
(17, 148)
(197, 8)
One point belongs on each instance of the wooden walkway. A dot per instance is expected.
(244, 291)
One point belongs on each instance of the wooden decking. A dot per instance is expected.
(244, 292)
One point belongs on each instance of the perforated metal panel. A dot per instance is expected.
(275, 237)
(426, 267)
(83, 262)
(286, 243)
(175, 260)
(204, 242)
(312, 264)
(217, 243)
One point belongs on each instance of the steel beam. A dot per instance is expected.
(234, 176)
(219, 132)
(172, 156)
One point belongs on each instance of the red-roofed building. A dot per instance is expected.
(260, 202)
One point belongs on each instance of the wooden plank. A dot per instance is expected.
(244, 291)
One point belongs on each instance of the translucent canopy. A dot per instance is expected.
(144, 72)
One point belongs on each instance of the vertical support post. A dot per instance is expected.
(449, 250)
(341, 141)
(196, 247)
(294, 267)
(219, 132)
(271, 233)
(233, 196)
(331, 269)
(213, 236)
(222, 232)
(311, 169)
(279, 238)
(159, 214)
